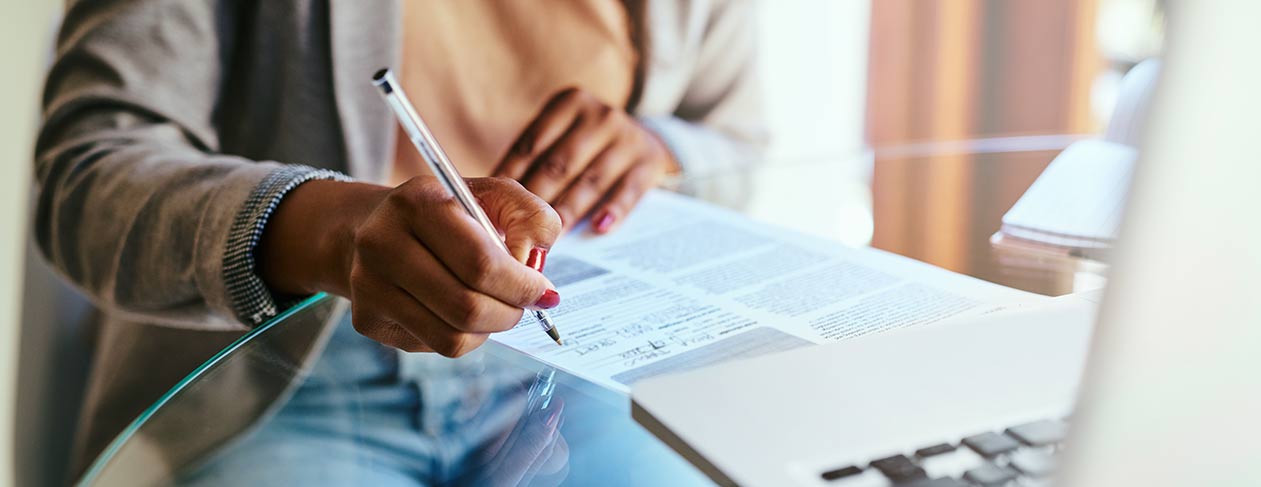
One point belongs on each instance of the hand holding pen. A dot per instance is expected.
(445, 171)
(421, 273)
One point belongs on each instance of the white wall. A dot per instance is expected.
(814, 66)
(26, 26)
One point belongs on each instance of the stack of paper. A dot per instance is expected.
(1075, 206)
(683, 285)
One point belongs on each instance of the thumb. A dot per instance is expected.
(525, 220)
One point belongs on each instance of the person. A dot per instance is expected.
(204, 164)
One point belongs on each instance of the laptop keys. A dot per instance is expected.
(932, 451)
(1023, 455)
(1039, 433)
(946, 482)
(841, 473)
(899, 469)
(1033, 463)
(951, 464)
(990, 474)
(990, 445)
(864, 478)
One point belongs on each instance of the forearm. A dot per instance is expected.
(140, 203)
(143, 226)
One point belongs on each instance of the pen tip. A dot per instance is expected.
(555, 336)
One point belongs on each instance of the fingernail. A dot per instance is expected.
(604, 223)
(537, 258)
(551, 420)
(550, 299)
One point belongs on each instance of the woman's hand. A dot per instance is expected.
(421, 274)
(587, 158)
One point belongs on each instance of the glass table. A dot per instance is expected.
(271, 402)
(278, 407)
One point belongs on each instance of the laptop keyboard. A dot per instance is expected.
(1023, 455)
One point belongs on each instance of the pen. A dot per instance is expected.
(441, 166)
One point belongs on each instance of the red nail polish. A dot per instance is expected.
(537, 258)
(604, 223)
(550, 299)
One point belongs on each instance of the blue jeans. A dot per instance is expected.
(360, 420)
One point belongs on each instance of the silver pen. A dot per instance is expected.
(442, 167)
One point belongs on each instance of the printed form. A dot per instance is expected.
(683, 284)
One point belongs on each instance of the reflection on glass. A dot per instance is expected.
(305, 400)
(232, 392)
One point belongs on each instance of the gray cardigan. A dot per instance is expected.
(174, 127)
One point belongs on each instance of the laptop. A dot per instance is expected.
(1163, 388)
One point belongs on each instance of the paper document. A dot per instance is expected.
(683, 284)
(1077, 202)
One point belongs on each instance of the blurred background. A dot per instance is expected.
(913, 126)
(908, 125)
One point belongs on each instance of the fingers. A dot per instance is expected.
(526, 221)
(428, 281)
(390, 261)
(367, 304)
(426, 327)
(408, 295)
(586, 158)
(625, 195)
(593, 184)
(425, 276)
(570, 155)
(464, 248)
(390, 334)
(553, 120)
(390, 315)
(560, 144)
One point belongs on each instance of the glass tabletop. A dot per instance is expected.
(304, 400)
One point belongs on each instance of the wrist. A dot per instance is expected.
(669, 164)
(307, 244)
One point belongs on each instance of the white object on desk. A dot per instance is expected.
(1078, 200)
(1130, 113)
(786, 418)
(1075, 206)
